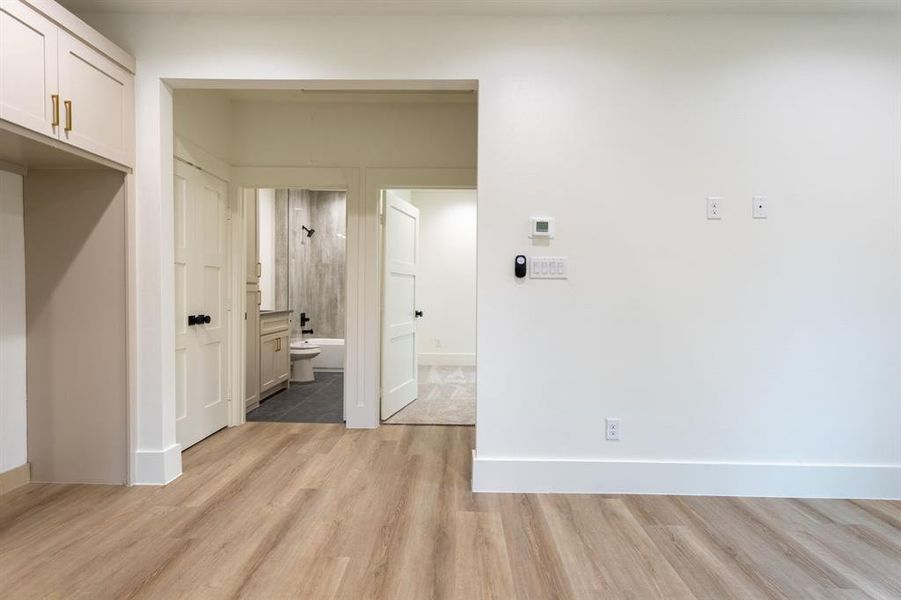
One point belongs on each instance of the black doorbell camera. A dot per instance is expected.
(519, 266)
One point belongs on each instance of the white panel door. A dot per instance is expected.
(200, 292)
(401, 254)
(28, 73)
(98, 101)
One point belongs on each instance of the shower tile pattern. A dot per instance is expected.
(316, 278)
(447, 396)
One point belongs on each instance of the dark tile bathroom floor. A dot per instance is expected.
(320, 401)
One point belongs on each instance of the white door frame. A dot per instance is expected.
(155, 456)
(308, 178)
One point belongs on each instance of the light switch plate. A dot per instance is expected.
(759, 207)
(714, 207)
(548, 267)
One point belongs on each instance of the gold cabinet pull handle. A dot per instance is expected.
(259, 297)
(54, 98)
(278, 344)
(68, 104)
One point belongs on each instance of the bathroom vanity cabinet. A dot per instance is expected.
(275, 351)
(63, 84)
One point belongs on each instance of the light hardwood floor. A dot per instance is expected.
(279, 510)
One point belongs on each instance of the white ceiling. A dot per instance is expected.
(473, 7)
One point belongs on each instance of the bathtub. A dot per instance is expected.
(331, 358)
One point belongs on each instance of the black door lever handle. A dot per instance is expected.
(199, 319)
(418, 313)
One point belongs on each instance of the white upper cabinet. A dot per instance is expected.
(56, 82)
(28, 68)
(97, 96)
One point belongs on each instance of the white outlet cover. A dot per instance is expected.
(714, 207)
(614, 429)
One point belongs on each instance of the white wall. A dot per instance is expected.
(720, 344)
(446, 278)
(355, 130)
(204, 118)
(266, 237)
(13, 425)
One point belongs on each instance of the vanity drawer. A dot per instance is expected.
(274, 323)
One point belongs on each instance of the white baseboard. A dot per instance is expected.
(447, 359)
(158, 467)
(685, 478)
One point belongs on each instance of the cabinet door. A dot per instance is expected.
(28, 61)
(97, 97)
(268, 353)
(283, 360)
(252, 248)
(252, 349)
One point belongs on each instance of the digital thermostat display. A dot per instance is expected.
(541, 227)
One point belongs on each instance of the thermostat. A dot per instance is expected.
(541, 227)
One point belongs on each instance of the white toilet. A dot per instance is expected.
(302, 355)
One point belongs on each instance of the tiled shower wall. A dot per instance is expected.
(315, 273)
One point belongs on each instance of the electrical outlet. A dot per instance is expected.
(437, 343)
(714, 207)
(613, 429)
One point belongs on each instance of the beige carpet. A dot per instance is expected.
(447, 396)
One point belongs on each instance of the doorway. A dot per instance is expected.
(232, 135)
(296, 329)
(429, 306)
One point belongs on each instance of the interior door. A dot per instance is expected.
(28, 73)
(200, 292)
(401, 254)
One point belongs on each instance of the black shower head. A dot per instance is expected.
(309, 231)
